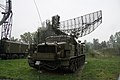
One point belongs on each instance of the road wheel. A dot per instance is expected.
(76, 65)
(14, 56)
(72, 66)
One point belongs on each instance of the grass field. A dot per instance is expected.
(95, 69)
(101, 69)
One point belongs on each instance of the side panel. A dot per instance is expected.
(24, 48)
(72, 51)
(15, 47)
(12, 47)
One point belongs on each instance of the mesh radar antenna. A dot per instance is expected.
(77, 27)
(6, 18)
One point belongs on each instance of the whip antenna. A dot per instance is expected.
(38, 12)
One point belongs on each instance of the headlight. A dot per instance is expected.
(29, 56)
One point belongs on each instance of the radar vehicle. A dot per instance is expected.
(63, 50)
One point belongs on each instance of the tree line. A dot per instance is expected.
(112, 46)
(37, 36)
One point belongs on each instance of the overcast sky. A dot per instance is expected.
(25, 16)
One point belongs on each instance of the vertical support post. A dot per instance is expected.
(7, 28)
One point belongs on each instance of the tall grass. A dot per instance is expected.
(100, 68)
(19, 70)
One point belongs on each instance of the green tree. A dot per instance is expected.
(117, 37)
(27, 38)
(96, 44)
(14, 39)
(103, 44)
(112, 41)
(40, 35)
(88, 46)
(44, 32)
(117, 42)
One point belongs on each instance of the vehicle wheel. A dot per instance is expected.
(72, 66)
(76, 65)
(4, 57)
(21, 56)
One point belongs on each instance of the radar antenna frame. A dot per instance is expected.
(77, 27)
(6, 21)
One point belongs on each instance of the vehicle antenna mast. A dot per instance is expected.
(6, 21)
(39, 19)
(38, 12)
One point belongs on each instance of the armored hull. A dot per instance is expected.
(57, 52)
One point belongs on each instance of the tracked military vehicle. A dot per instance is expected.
(62, 50)
(58, 51)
